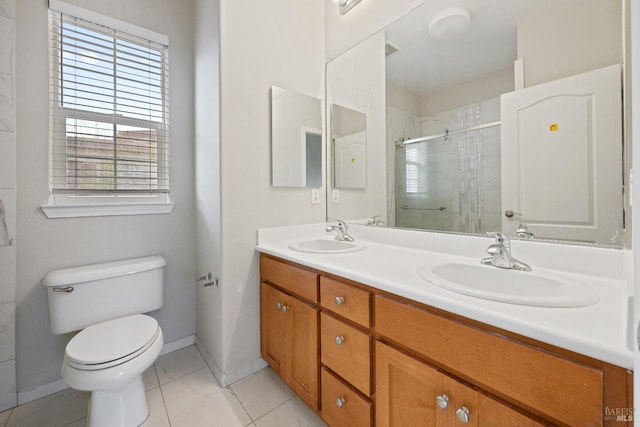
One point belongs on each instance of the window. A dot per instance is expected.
(416, 169)
(108, 115)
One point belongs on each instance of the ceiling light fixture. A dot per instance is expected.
(449, 23)
(346, 5)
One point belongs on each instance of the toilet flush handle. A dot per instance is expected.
(66, 289)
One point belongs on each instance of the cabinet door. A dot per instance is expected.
(289, 341)
(273, 329)
(410, 393)
(495, 414)
(303, 344)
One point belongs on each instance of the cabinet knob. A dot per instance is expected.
(340, 402)
(284, 308)
(339, 300)
(443, 401)
(279, 305)
(339, 340)
(463, 414)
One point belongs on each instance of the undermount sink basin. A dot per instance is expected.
(509, 286)
(326, 246)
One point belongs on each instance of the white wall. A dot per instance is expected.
(568, 38)
(281, 43)
(364, 20)
(207, 152)
(356, 80)
(474, 91)
(47, 244)
(402, 99)
(8, 395)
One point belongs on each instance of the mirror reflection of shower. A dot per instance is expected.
(447, 169)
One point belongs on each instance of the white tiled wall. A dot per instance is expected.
(8, 396)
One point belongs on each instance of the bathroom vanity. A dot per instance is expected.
(360, 355)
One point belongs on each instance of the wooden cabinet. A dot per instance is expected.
(362, 357)
(495, 414)
(346, 353)
(289, 330)
(295, 280)
(273, 322)
(341, 405)
(408, 393)
(350, 302)
(411, 393)
(546, 383)
(346, 350)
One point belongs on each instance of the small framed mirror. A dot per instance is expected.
(296, 139)
(349, 147)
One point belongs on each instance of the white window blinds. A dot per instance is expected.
(109, 116)
(415, 169)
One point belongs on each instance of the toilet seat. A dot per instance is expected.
(111, 343)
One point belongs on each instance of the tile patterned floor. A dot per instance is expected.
(182, 392)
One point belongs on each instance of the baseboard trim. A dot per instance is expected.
(59, 385)
(41, 391)
(225, 379)
(178, 344)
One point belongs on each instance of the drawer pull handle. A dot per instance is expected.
(66, 289)
(339, 300)
(339, 340)
(340, 402)
(463, 415)
(442, 401)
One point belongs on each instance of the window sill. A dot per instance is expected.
(105, 209)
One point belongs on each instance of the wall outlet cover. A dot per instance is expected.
(315, 196)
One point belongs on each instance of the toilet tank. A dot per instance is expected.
(81, 296)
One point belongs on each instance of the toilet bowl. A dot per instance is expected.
(108, 359)
(118, 342)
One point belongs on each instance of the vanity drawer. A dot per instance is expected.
(346, 351)
(286, 276)
(545, 383)
(341, 406)
(346, 300)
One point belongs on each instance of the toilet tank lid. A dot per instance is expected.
(86, 273)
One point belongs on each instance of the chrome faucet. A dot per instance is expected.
(343, 231)
(500, 252)
(522, 232)
(375, 221)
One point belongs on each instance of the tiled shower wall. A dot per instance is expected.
(8, 393)
(459, 178)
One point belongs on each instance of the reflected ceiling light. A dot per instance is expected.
(449, 23)
(346, 5)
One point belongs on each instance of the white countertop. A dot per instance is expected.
(598, 330)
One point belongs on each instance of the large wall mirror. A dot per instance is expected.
(457, 75)
(296, 139)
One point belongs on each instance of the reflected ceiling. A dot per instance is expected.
(422, 65)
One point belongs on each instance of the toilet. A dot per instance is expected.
(116, 342)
